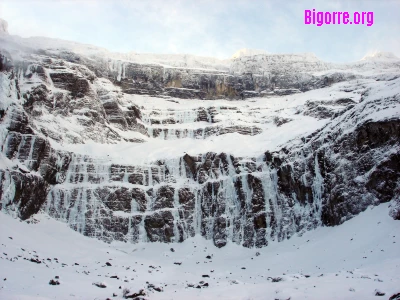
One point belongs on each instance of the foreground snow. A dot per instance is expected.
(346, 262)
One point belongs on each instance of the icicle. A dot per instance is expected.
(3, 140)
(30, 156)
(130, 228)
(96, 206)
(150, 131)
(162, 135)
(160, 175)
(175, 214)
(246, 190)
(182, 171)
(103, 171)
(190, 133)
(145, 178)
(150, 176)
(232, 207)
(20, 145)
(208, 116)
(78, 211)
(142, 231)
(197, 213)
(317, 190)
(142, 237)
(8, 193)
(119, 71)
(210, 218)
(69, 176)
(272, 192)
(126, 175)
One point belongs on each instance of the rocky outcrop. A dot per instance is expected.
(203, 133)
(395, 204)
(63, 90)
(195, 84)
(22, 194)
(327, 109)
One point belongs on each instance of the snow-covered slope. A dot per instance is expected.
(352, 261)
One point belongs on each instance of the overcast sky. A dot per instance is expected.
(208, 27)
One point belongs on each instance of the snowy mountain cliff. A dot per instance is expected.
(144, 148)
(244, 166)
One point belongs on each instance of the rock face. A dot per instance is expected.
(50, 99)
(186, 83)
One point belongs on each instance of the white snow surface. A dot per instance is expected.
(349, 261)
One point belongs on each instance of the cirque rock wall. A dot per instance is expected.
(324, 179)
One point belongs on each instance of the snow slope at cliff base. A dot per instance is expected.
(352, 261)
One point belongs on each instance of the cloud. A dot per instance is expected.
(206, 27)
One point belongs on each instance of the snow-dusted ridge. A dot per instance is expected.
(238, 62)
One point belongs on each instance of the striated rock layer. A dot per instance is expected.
(349, 160)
